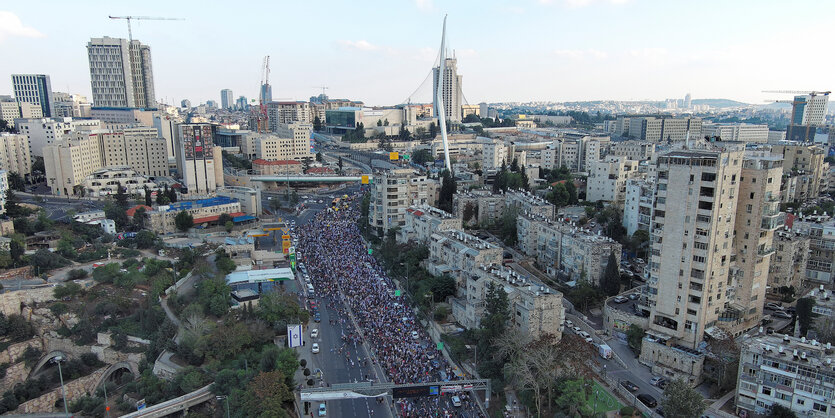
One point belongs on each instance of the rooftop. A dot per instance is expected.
(429, 210)
(799, 350)
(260, 161)
(257, 276)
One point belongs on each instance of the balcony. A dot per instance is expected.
(765, 252)
(772, 222)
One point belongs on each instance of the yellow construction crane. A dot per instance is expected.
(129, 18)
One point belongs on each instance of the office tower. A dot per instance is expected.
(809, 109)
(35, 89)
(241, 104)
(121, 74)
(266, 93)
(451, 93)
(185, 104)
(691, 236)
(11, 110)
(687, 101)
(197, 158)
(227, 101)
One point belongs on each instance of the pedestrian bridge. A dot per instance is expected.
(310, 179)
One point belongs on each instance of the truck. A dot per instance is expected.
(605, 351)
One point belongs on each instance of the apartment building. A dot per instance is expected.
(138, 148)
(564, 250)
(691, 240)
(805, 162)
(14, 154)
(493, 155)
(820, 269)
(574, 152)
(249, 198)
(4, 188)
(796, 373)
(43, 132)
(633, 150)
(11, 109)
(637, 207)
(277, 167)
(293, 144)
(757, 217)
(527, 202)
(287, 113)
(486, 206)
(658, 129)
(788, 264)
(741, 132)
(607, 179)
(423, 221)
(106, 181)
(70, 160)
(393, 192)
(536, 309)
(458, 253)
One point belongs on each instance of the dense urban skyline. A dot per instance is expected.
(554, 50)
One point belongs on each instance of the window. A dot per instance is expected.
(818, 407)
(766, 390)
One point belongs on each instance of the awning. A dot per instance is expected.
(243, 218)
(212, 218)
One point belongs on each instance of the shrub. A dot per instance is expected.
(77, 274)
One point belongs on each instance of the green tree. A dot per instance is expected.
(635, 337)
(121, 197)
(16, 181)
(117, 214)
(140, 217)
(680, 400)
(266, 394)
(422, 156)
(573, 398)
(224, 218)
(433, 130)
(572, 192)
(145, 239)
(559, 195)
(184, 221)
(66, 247)
(229, 225)
(448, 189)
(780, 411)
(148, 200)
(317, 124)
(213, 295)
(13, 208)
(339, 163)
(610, 282)
(319, 158)
(468, 212)
(43, 261)
(404, 134)
(279, 309)
(804, 314)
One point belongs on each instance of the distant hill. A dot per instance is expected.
(720, 103)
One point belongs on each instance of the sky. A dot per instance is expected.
(381, 52)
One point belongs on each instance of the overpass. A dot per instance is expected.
(183, 403)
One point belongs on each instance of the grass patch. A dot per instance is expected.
(604, 400)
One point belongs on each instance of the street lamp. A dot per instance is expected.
(475, 354)
(57, 360)
(226, 400)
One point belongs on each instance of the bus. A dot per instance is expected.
(335, 202)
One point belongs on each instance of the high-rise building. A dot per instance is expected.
(241, 103)
(35, 89)
(4, 188)
(121, 74)
(687, 102)
(211, 104)
(185, 104)
(42, 132)
(265, 94)
(14, 154)
(809, 109)
(287, 112)
(393, 192)
(11, 110)
(198, 158)
(451, 92)
(227, 101)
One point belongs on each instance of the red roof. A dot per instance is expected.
(319, 170)
(132, 210)
(260, 161)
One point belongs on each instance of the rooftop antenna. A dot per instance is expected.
(441, 111)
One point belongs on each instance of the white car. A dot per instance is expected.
(569, 324)
(323, 410)
(577, 329)
(314, 333)
(315, 348)
(415, 335)
(456, 401)
(589, 340)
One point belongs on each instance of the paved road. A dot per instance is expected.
(57, 207)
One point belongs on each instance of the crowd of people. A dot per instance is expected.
(344, 273)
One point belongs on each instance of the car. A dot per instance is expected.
(314, 333)
(315, 348)
(773, 306)
(647, 400)
(321, 201)
(589, 340)
(317, 317)
(323, 410)
(312, 304)
(791, 309)
(620, 299)
(662, 384)
(781, 314)
(634, 296)
(569, 324)
(456, 401)
(576, 329)
(584, 334)
(629, 385)
(415, 335)
(655, 380)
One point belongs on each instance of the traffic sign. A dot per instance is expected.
(441, 345)
(364, 179)
(285, 237)
(396, 293)
(394, 156)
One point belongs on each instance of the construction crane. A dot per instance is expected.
(323, 89)
(129, 18)
(263, 117)
(811, 93)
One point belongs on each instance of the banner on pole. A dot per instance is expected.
(294, 336)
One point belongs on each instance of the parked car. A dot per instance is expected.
(629, 385)
(569, 324)
(620, 299)
(781, 314)
(634, 296)
(647, 400)
(773, 306)
(577, 329)
(655, 380)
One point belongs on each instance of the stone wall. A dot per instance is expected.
(14, 351)
(74, 390)
(10, 302)
(16, 373)
(105, 354)
(672, 362)
(616, 321)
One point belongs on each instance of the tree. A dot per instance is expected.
(404, 134)
(224, 218)
(121, 197)
(229, 225)
(13, 208)
(43, 261)
(780, 411)
(635, 337)
(524, 177)
(339, 163)
(559, 195)
(319, 158)
(317, 124)
(433, 130)
(172, 195)
(113, 211)
(16, 182)
(680, 400)
(422, 156)
(572, 192)
(804, 314)
(469, 211)
(145, 239)
(610, 282)
(379, 122)
(184, 221)
(266, 395)
(139, 218)
(448, 188)
(514, 165)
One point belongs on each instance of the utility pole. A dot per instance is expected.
(57, 360)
